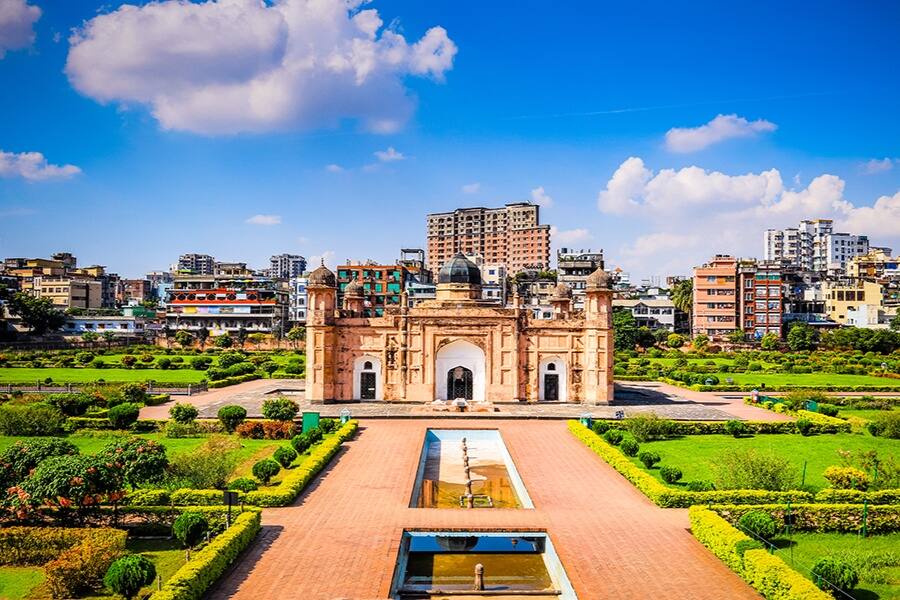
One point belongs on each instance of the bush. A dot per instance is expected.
(648, 458)
(886, 425)
(124, 415)
(613, 436)
(17, 461)
(231, 416)
(265, 470)
(200, 363)
(189, 528)
(648, 426)
(269, 430)
(30, 419)
(629, 447)
(847, 478)
(600, 427)
(670, 474)
(183, 413)
(700, 486)
(207, 467)
(244, 484)
(329, 425)
(128, 361)
(829, 410)
(285, 455)
(752, 470)
(832, 573)
(71, 405)
(228, 359)
(675, 340)
(176, 431)
(804, 426)
(136, 459)
(736, 428)
(129, 574)
(280, 409)
(758, 524)
(163, 362)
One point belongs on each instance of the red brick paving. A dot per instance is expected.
(340, 540)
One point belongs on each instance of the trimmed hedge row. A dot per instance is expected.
(749, 387)
(297, 478)
(824, 421)
(833, 496)
(192, 580)
(842, 518)
(232, 380)
(667, 497)
(768, 574)
(766, 427)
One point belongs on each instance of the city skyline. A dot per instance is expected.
(627, 143)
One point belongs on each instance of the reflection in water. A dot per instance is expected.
(455, 571)
(444, 479)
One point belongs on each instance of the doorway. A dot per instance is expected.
(551, 387)
(459, 383)
(367, 385)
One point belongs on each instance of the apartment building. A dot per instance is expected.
(846, 299)
(715, 297)
(286, 266)
(197, 264)
(382, 284)
(875, 265)
(298, 298)
(760, 298)
(840, 248)
(68, 292)
(814, 246)
(136, 290)
(654, 313)
(573, 267)
(511, 236)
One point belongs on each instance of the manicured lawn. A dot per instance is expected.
(167, 556)
(803, 550)
(17, 582)
(865, 414)
(89, 375)
(697, 454)
(668, 362)
(807, 379)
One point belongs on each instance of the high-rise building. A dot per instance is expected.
(715, 297)
(197, 264)
(840, 248)
(814, 246)
(286, 266)
(511, 236)
(573, 267)
(760, 298)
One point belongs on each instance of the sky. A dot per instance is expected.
(660, 132)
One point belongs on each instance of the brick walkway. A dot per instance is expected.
(340, 540)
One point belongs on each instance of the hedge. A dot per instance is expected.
(297, 478)
(156, 399)
(232, 380)
(833, 496)
(840, 518)
(192, 580)
(667, 497)
(749, 387)
(824, 421)
(768, 574)
(73, 559)
(765, 427)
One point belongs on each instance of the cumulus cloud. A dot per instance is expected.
(33, 166)
(229, 66)
(541, 198)
(326, 258)
(389, 155)
(692, 213)
(17, 19)
(264, 220)
(471, 188)
(569, 236)
(334, 168)
(876, 166)
(723, 127)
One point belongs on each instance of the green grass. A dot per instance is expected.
(807, 379)
(17, 582)
(90, 375)
(863, 413)
(668, 362)
(696, 455)
(803, 550)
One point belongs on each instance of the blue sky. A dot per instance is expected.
(182, 122)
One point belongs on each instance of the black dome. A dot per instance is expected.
(460, 269)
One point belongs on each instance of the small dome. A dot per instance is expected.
(322, 276)
(599, 280)
(563, 291)
(355, 289)
(460, 269)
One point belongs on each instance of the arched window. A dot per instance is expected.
(367, 365)
(551, 367)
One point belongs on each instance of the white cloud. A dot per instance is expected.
(228, 66)
(471, 188)
(568, 236)
(880, 219)
(541, 198)
(334, 168)
(389, 155)
(17, 19)
(723, 127)
(33, 167)
(876, 166)
(264, 220)
(326, 258)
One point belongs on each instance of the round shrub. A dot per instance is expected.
(244, 484)
(129, 574)
(629, 447)
(265, 470)
(128, 361)
(228, 359)
(280, 409)
(613, 436)
(736, 428)
(285, 455)
(123, 415)
(847, 478)
(886, 425)
(268, 367)
(804, 426)
(231, 416)
(700, 486)
(830, 573)
(600, 427)
(829, 410)
(163, 362)
(71, 405)
(759, 524)
(670, 474)
(200, 363)
(134, 392)
(189, 528)
(300, 443)
(183, 413)
(329, 425)
(648, 458)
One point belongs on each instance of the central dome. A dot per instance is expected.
(460, 269)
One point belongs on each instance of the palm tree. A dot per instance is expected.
(683, 296)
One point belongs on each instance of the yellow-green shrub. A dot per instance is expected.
(774, 579)
(719, 536)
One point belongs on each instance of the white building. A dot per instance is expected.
(655, 313)
(76, 325)
(840, 248)
(198, 264)
(297, 300)
(286, 266)
(814, 246)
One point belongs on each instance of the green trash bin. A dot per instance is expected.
(310, 421)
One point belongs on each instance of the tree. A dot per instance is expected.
(223, 341)
(108, 337)
(183, 413)
(129, 574)
(240, 337)
(231, 416)
(645, 337)
(184, 338)
(675, 340)
(89, 336)
(802, 337)
(202, 336)
(189, 529)
(296, 335)
(683, 296)
(624, 330)
(280, 409)
(700, 341)
(38, 314)
(737, 336)
(770, 341)
(137, 459)
(256, 339)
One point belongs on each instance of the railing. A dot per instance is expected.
(50, 388)
(63, 344)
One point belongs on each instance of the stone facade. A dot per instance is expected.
(458, 346)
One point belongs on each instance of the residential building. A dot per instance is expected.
(536, 292)
(574, 266)
(511, 236)
(814, 246)
(68, 292)
(417, 292)
(760, 298)
(298, 300)
(286, 266)
(876, 265)
(136, 290)
(414, 261)
(119, 325)
(654, 313)
(381, 284)
(846, 296)
(494, 283)
(196, 264)
(715, 297)
(840, 248)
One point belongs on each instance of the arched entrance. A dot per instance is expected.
(459, 372)
(552, 384)
(367, 378)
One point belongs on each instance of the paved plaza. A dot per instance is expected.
(341, 538)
